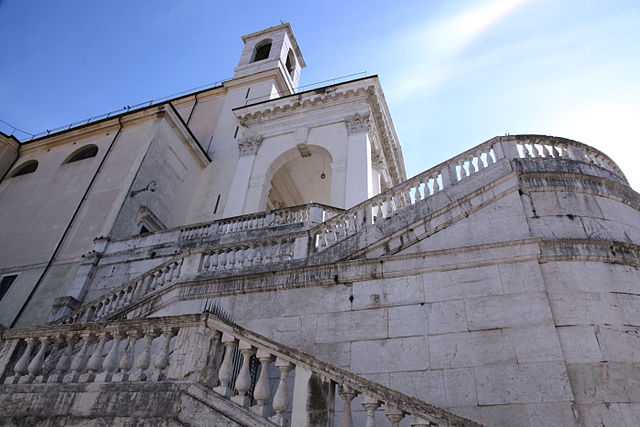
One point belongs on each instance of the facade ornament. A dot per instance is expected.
(249, 146)
(377, 160)
(358, 123)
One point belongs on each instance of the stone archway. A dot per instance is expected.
(298, 176)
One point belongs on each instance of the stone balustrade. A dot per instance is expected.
(115, 352)
(205, 349)
(306, 387)
(452, 172)
(121, 297)
(308, 214)
(248, 255)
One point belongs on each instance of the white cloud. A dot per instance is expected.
(441, 43)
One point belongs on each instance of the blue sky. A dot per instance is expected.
(455, 73)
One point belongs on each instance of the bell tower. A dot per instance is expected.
(269, 50)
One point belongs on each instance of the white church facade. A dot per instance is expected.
(254, 255)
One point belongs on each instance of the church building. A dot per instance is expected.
(253, 254)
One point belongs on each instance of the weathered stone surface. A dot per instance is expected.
(530, 383)
(394, 354)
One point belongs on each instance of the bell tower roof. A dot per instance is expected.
(272, 49)
(284, 26)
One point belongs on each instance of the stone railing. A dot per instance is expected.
(218, 259)
(212, 352)
(140, 350)
(449, 173)
(121, 297)
(248, 255)
(308, 214)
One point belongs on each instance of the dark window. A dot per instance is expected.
(215, 210)
(25, 168)
(5, 284)
(82, 153)
(263, 49)
(144, 230)
(291, 63)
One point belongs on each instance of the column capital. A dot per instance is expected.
(357, 123)
(250, 145)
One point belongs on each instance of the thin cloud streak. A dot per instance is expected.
(442, 43)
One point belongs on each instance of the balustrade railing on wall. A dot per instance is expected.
(328, 226)
(110, 303)
(452, 172)
(305, 214)
(156, 349)
(251, 254)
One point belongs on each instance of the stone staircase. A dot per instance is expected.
(315, 234)
(184, 370)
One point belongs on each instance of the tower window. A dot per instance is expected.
(25, 168)
(82, 153)
(291, 63)
(6, 283)
(262, 51)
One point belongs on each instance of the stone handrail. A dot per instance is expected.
(205, 349)
(134, 290)
(306, 214)
(451, 172)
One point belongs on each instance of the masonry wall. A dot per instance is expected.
(496, 317)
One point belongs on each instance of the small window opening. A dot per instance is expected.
(235, 134)
(83, 153)
(144, 230)
(263, 49)
(26, 168)
(215, 209)
(291, 63)
(6, 283)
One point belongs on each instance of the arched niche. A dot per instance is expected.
(300, 175)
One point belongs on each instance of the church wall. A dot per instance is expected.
(169, 163)
(42, 218)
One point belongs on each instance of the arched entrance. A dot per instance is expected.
(298, 176)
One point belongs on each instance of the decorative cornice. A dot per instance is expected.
(358, 123)
(249, 146)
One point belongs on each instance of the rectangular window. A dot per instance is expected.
(5, 284)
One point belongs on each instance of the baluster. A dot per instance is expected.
(36, 367)
(393, 414)
(248, 256)
(266, 257)
(225, 373)
(231, 255)
(64, 362)
(239, 258)
(276, 251)
(243, 382)
(281, 398)
(161, 363)
(258, 254)
(124, 364)
(110, 363)
(347, 395)
(222, 260)
(143, 361)
(262, 391)
(79, 361)
(95, 361)
(206, 261)
(371, 405)
(213, 261)
(21, 366)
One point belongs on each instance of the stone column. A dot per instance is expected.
(240, 185)
(359, 170)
